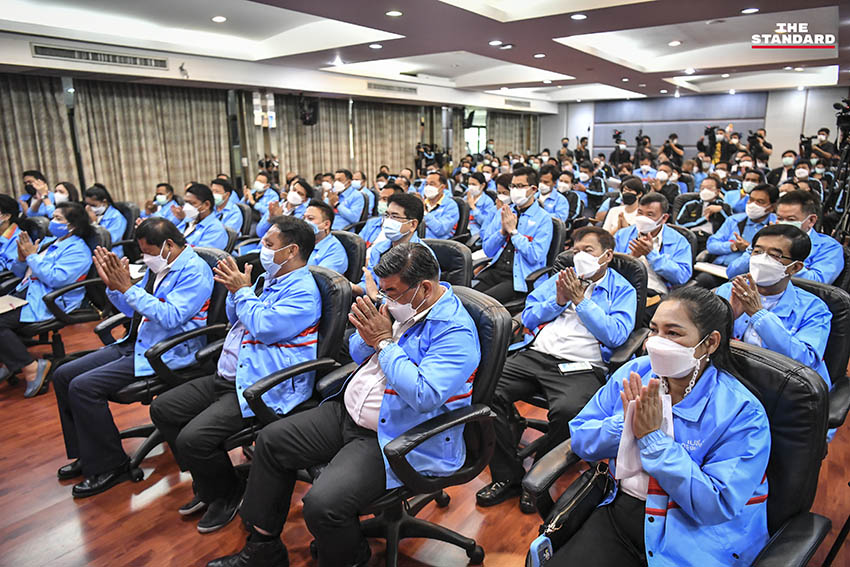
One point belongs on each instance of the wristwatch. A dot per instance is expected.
(383, 344)
(514, 231)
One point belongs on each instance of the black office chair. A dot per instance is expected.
(40, 228)
(232, 237)
(130, 211)
(691, 238)
(462, 228)
(355, 249)
(455, 261)
(420, 230)
(395, 512)
(837, 351)
(679, 202)
(247, 216)
(688, 180)
(365, 214)
(843, 279)
(559, 237)
(795, 400)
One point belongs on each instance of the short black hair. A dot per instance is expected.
(78, 219)
(412, 205)
(824, 129)
(202, 192)
(156, 230)
(305, 184)
(505, 179)
(530, 175)
(633, 183)
(586, 165)
(654, 197)
(478, 176)
(771, 190)
(395, 187)
(808, 201)
(327, 211)
(265, 174)
(223, 183)
(605, 239)
(443, 180)
(167, 186)
(34, 173)
(550, 169)
(801, 246)
(346, 173)
(414, 263)
(296, 231)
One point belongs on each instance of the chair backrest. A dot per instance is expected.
(101, 237)
(252, 258)
(216, 312)
(463, 218)
(843, 279)
(690, 236)
(559, 237)
(420, 230)
(795, 399)
(131, 212)
(232, 236)
(335, 291)
(627, 266)
(679, 202)
(247, 216)
(366, 212)
(377, 195)
(455, 261)
(837, 352)
(355, 249)
(39, 227)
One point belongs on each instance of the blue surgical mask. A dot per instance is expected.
(267, 260)
(392, 230)
(356, 183)
(382, 207)
(314, 226)
(58, 229)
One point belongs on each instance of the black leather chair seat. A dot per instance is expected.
(84, 315)
(142, 390)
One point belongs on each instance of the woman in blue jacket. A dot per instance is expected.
(693, 490)
(102, 211)
(43, 268)
(11, 225)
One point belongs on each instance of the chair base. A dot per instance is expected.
(152, 438)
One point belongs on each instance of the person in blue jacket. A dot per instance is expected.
(769, 310)
(295, 205)
(346, 201)
(802, 209)
(553, 202)
(163, 205)
(11, 226)
(328, 251)
(360, 183)
(580, 315)
(706, 212)
(274, 326)
(700, 494)
(441, 212)
(517, 240)
(172, 298)
(418, 365)
(226, 210)
(102, 211)
(199, 225)
(372, 231)
(738, 197)
(481, 205)
(260, 194)
(44, 267)
(38, 200)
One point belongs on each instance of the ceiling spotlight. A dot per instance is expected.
(503, 89)
(539, 55)
(731, 91)
(690, 71)
(547, 81)
(749, 10)
(676, 94)
(578, 17)
(788, 67)
(641, 84)
(725, 75)
(578, 100)
(560, 86)
(337, 61)
(70, 90)
(496, 42)
(394, 14)
(625, 79)
(663, 91)
(507, 46)
(219, 19)
(799, 88)
(674, 43)
(375, 46)
(798, 69)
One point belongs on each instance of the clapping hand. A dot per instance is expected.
(738, 243)
(640, 246)
(227, 273)
(275, 210)
(569, 287)
(178, 212)
(114, 272)
(509, 221)
(746, 295)
(649, 412)
(373, 325)
(26, 246)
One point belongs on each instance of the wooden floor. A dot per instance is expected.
(136, 524)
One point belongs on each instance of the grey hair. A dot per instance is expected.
(413, 263)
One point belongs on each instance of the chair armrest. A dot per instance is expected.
(8, 285)
(396, 450)
(355, 226)
(461, 238)
(254, 393)
(125, 242)
(623, 353)
(7, 274)
(481, 262)
(104, 328)
(794, 544)
(154, 354)
(210, 352)
(839, 402)
(549, 468)
(535, 275)
(474, 240)
(240, 242)
(50, 298)
(331, 383)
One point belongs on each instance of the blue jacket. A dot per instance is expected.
(330, 254)
(737, 199)
(64, 262)
(281, 329)
(9, 247)
(825, 261)
(261, 205)
(373, 256)
(645, 176)
(164, 211)
(609, 315)
(706, 503)
(116, 224)
(208, 232)
(43, 210)
(673, 263)
(608, 203)
(442, 222)
(720, 243)
(482, 214)
(531, 243)
(430, 371)
(178, 305)
(798, 326)
(557, 206)
(349, 208)
(371, 230)
(230, 215)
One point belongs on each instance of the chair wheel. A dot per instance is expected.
(442, 499)
(136, 474)
(476, 555)
(314, 550)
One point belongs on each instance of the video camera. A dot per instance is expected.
(709, 129)
(753, 138)
(617, 134)
(806, 144)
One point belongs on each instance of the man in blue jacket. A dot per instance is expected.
(481, 205)
(553, 202)
(415, 368)
(517, 240)
(172, 298)
(372, 230)
(733, 237)
(441, 211)
(199, 224)
(581, 315)
(346, 201)
(329, 251)
(226, 209)
(275, 325)
(260, 194)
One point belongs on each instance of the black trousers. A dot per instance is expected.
(524, 374)
(612, 535)
(13, 352)
(195, 418)
(354, 477)
(498, 284)
(83, 387)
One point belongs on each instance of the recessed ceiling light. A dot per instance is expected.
(219, 19)
(560, 86)
(690, 71)
(337, 61)
(507, 46)
(625, 79)
(547, 81)
(674, 43)
(676, 94)
(663, 91)
(788, 67)
(395, 14)
(503, 89)
(725, 75)
(731, 91)
(496, 42)
(749, 10)
(578, 17)
(70, 90)
(578, 100)
(799, 88)
(798, 69)
(641, 84)
(375, 46)
(539, 55)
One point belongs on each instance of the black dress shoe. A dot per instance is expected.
(364, 555)
(526, 503)
(497, 492)
(71, 470)
(256, 554)
(101, 482)
(192, 506)
(221, 511)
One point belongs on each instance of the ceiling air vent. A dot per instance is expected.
(515, 102)
(92, 56)
(390, 88)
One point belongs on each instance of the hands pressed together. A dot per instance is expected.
(649, 411)
(373, 325)
(114, 271)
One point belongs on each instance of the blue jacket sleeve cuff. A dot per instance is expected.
(651, 440)
(759, 315)
(241, 293)
(653, 255)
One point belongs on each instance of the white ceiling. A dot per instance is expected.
(571, 93)
(760, 80)
(512, 10)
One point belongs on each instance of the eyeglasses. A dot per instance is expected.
(515, 186)
(382, 295)
(395, 217)
(758, 251)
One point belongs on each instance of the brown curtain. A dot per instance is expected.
(133, 136)
(35, 132)
(384, 134)
(458, 139)
(513, 132)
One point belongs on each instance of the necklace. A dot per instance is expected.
(665, 384)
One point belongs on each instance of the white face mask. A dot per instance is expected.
(404, 312)
(583, 177)
(675, 177)
(504, 198)
(487, 176)
(788, 161)
(475, 190)
(706, 165)
(746, 164)
(662, 176)
(156, 263)
(748, 186)
(801, 173)
(381, 184)
(563, 186)
(670, 359)
(817, 170)
(765, 270)
(755, 211)
(59, 198)
(259, 186)
(190, 211)
(267, 260)
(645, 167)
(821, 138)
(294, 198)
(586, 264)
(707, 194)
(622, 147)
(464, 170)
(795, 223)
(430, 191)
(519, 197)
(338, 187)
(644, 224)
(99, 210)
(544, 189)
(326, 185)
(721, 173)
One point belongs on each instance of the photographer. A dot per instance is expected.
(823, 149)
(582, 154)
(644, 150)
(565, 151)
(759, 147)
(673, 150)
(620, 155)
(718, 148)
